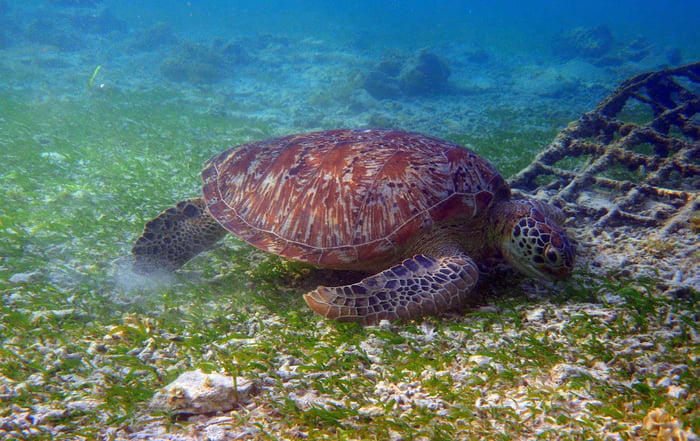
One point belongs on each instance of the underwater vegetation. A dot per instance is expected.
(84, 351)
(95, 141)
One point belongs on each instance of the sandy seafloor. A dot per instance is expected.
(309, 73)
(76, 74)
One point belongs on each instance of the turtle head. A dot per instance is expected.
(532, 239)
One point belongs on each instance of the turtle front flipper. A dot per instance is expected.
(175, 236)
(421, 285)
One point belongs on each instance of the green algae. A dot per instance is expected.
(81, 176)
(509, 150)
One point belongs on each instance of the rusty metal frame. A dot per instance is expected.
(663, 150)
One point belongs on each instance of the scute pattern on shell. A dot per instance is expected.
(340, 197)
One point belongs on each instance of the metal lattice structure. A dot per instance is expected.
(633, 160)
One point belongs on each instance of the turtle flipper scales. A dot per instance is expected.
(421, 285)
(175, 236)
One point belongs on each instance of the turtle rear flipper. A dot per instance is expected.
(421, 285)
(175, 236)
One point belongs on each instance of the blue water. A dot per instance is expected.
(464, 70)
(507, 26)
(448, 68)
(504, 24)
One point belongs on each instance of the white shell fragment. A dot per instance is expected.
(196, 392)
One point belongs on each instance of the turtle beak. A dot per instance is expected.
(556, 273)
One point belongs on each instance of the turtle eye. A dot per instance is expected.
(552, 255)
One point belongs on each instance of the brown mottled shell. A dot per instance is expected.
(341, 198)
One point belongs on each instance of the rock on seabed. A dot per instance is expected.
(196, 392)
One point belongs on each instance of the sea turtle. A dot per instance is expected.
(414, 211)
